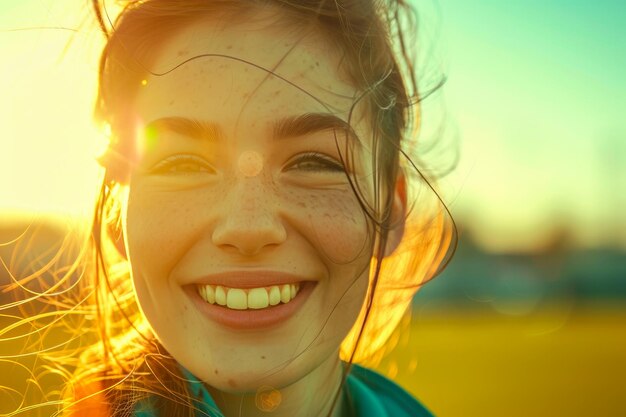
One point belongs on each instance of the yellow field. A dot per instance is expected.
(558, 361)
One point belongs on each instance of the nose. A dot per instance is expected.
(249, 219)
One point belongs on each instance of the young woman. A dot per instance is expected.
(256, 235)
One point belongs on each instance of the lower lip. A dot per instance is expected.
(252, 319)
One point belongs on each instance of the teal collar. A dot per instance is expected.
(204, 403)
(366, 393)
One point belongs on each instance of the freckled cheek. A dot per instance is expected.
(336, 224)
(160, 228)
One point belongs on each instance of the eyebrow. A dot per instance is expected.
(308, 123)
(193, 128)
(284, 128)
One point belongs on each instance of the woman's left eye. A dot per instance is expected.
(317, 162)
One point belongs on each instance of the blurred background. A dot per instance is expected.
(530, 316)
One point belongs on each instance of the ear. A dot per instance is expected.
(398, 214)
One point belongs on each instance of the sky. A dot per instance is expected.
(535, 100)
(538, 94)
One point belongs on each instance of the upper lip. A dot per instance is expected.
(250, 279)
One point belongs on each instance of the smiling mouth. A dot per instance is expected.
(248, 298)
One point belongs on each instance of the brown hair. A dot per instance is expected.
(370, 34)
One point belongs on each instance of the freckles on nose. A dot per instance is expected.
(250, 163)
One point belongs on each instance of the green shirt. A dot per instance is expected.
(367, 393)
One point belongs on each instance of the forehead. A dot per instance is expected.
(249, 70)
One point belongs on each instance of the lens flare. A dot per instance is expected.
(250, 163)
(267, 398)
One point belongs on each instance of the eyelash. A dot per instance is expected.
(174, 161)
(322, 163)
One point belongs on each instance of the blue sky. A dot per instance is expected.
(538, 92)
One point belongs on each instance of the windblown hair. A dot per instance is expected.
(126, 361)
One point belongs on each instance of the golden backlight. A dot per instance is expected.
(48, 83)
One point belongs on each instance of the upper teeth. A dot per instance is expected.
(249, 298)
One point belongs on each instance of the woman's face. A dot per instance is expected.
(239, 184)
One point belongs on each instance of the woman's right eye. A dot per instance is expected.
(182, 165)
